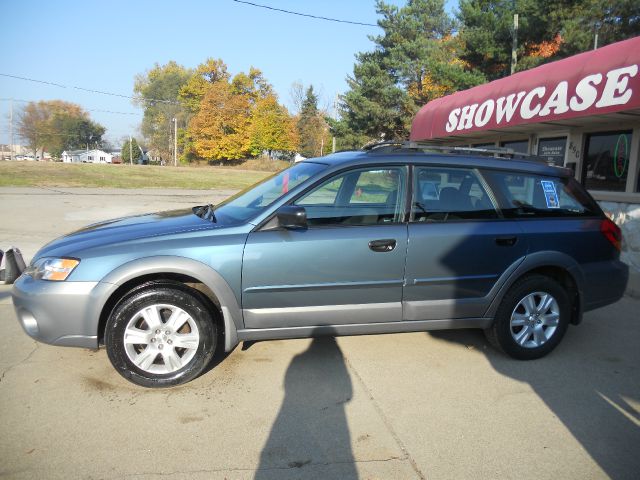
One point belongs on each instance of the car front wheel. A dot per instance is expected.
(532, 318)
(161, 335)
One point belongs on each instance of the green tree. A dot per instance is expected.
(576, 22)
(56, 126)
(136, 154)
(548, 30)
(416, 60)
(312, 128)
(158, 93)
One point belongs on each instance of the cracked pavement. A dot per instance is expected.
(433, 405)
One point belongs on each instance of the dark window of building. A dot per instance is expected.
(483, 145)
(606, 161)
(518, 146)
(552, 150)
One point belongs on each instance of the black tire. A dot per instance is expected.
(501, 333)
(173, 295)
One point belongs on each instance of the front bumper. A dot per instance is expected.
(59, 313)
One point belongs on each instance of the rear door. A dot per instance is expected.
(459, 245)
(346, 268)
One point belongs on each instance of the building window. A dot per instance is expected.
(552, 150)
(484, 145)
(518, 146)
(90, 157)
(606, 161)
(102, 159)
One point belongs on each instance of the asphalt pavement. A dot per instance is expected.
(439, 405)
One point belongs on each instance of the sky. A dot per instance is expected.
(104, 45)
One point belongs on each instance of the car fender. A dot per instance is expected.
(531, 262)
(231, 313)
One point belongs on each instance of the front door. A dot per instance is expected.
(347, 267)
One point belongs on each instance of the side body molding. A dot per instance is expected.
(231, 313)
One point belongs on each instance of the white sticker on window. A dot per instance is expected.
(550, 194)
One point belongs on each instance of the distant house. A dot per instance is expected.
(86, 156)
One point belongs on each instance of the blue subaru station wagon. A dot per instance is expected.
(394, 238)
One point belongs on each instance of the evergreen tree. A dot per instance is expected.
(136, 154)
(311, 126)
(416, 60)
(548, 30)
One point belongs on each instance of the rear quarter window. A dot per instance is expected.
(524, 195)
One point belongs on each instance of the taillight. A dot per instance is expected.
(612, 233)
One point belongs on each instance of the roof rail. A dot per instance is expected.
(498, 152)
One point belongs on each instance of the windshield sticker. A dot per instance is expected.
(550, 194)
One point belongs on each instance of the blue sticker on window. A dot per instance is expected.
(550, 194)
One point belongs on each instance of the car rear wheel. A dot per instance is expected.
(161, 335)
(532, 318)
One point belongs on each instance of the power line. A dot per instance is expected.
(86, 109)
(317, 17)
(138, 99)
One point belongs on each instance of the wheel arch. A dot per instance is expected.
(556, 265)
(190, 272)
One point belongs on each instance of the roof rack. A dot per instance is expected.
(498, 152)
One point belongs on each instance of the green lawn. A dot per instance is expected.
(51, 174)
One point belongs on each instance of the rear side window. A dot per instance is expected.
(447, 194)
(529, 195)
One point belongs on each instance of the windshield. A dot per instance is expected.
(250, 202)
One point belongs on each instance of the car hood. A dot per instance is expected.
(126, 229)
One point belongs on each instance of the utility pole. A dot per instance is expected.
(130, 151)
(596, 27)
(335, 117)
(175, 142)
(514, 45)
(11, 129)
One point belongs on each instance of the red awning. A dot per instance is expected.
(598, 82)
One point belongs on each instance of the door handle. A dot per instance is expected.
(385, 245)
(506, 241)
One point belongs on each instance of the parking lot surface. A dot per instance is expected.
(438, 405)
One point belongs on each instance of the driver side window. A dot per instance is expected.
(358, 197)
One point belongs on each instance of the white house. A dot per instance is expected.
(86, 156)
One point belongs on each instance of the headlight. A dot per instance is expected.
(54, 269)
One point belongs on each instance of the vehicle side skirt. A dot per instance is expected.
(361, 329)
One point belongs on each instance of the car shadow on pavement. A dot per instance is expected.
(311, 427)
(584, 383)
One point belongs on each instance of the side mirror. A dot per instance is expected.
(292, 217)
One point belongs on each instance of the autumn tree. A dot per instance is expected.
(56, 126)
(232, 117)
(206, 74)
(272, 128)
(134, 149)
(252, 85)
(220, 129)
(158, 93)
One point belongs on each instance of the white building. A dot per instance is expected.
(86, 156)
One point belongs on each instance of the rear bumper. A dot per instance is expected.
(58, 313)
(605, 283)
